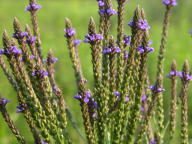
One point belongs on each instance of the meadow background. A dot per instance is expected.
(51, 22)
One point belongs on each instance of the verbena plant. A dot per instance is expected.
(122, 107)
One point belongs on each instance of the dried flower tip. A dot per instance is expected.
(169, 2)
(40, 73)
(4, 101)
(20, 35)
(156, 89)
(92, 38)
(21, 108)
(108, 12)
(70, 32)
(33, 7)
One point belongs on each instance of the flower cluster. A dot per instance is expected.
(169, 2)
(109, 50)
(108, 12)
(40, 73)
(156, 89)
(142, 49)
(4, 101)
(21, 108)
(20, 35)
(69, 32)
(13, 50)
(33, 7)
(93, 38)
(101, 3)
(184, 76)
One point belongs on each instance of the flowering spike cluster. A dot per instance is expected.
(119, 108)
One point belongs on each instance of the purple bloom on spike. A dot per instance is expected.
(126, 99)
(108, 12)
(117, 94)
(94, 115)
(12, 50)
(150, 42)
(172, 74)
(127, 40)
(20, 35)
(116, 49)
(144, 98)
(156, 89)
(101, 3)
(107, 50)
(69, 32)
(30, 40)
(50, 60)
(169, 2)
(40, 73)
(153, 141)
(42, 142)
(142, 109)
(33, 7)
(93, 38)
(78, 97)
(4, 101)
(77, 42)
(184, 76)
(21, 108)
(142, 24)
(190, 32)
(130, 23)
(126, 54)
(142, 50)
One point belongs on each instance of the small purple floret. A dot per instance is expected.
(30, 40)
(184, 76)
(93, 38)
(144, 98)
(142, 24)
(169, 2)
(40, 73)
(101, 3)
(21, 108)
(69, 32)
(156, 89)
(109, 12)
(20, 35)
(4, 101)
(50, 60)
(77, 42)
(33, 7)
(127, 40)
(142, 50)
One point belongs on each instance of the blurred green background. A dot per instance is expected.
(51, 21)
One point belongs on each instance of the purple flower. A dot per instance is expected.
(130, 23)
(69, 32)
(107, 50)
(21, 108)
(101, 3)
(169, 2)
(42, 142)
(30, 40)
(20, 35)
(50, 60)
(78, 97)
(150, 42)
(33, 7)
(126, 54)
(190, 32)
(109, 12)
(156, 89)
(117, 94)
(94, 115)
(77, 42)
(153, 141)
(126, 99)
(13, 50)
(31, 58)
(4, 101)
(40, 73)
(172, 74)
(144, 98)
(142, 50)
(142, 24)
(93, 38)
(142, 109)
(184, 76)
(127, 40)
